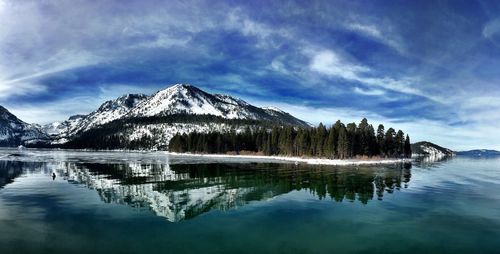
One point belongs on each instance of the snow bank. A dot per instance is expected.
(314, 161)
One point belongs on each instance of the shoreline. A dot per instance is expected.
(250, 158)
(313, 161)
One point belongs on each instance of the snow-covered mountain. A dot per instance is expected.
(188, 99)
(182, 99)
(14, 132)
(425, 148)
(107, 112)
(56, 128)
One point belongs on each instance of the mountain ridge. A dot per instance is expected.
(171, 102)
(14, 131)
(426, 148)
(479, 153)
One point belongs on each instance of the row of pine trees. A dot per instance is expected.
(336, 142)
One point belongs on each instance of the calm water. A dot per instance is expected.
(148, 202)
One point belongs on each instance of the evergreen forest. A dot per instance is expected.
(338, 141)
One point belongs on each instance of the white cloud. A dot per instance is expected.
(374, 32)
(8, 89)
(239, 21)
(371, 92)
(491, 28)
(23, 79)
(43, 113)
(329, 63)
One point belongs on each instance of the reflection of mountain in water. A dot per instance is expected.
(431, 161)
(179, 192)
(9, 170)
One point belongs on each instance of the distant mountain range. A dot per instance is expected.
(479, 153)
(181, 108)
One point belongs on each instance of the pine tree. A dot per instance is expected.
(331, 142)
(400, 142)
(364, 139)
(320, 139)
(352, 140)
(343, 143)
(390, 142)
(407, 148)
(381, 139)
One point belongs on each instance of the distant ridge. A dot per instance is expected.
(426, 148)
(479, 153)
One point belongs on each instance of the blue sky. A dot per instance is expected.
(427, 67)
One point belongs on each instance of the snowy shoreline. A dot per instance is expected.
(314, 161)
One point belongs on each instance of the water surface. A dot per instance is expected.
(116, 202)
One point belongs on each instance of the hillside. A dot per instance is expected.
(14, 131)
(426, 148)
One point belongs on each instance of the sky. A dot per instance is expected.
(430, 68)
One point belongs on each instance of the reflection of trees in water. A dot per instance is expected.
(337, 183)
(9, 170)
(431, 161)
(182, 191)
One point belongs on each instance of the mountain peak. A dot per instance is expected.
(181, 86)
(14, 131)
(6, 115)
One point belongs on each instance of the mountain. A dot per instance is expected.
(426, 148)
(14, 132)
(57, 128)
(109, 111)
(479, 153)
(188, 99)
(181, 108)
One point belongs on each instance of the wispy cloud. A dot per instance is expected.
(374, 32)
(329, 63)
(371, 92)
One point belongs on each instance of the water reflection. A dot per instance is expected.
(9, 170)
(431, 161)
(183, 191)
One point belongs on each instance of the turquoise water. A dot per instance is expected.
(149, 202)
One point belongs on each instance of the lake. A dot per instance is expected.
(123, 202)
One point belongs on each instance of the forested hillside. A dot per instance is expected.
(339, 141)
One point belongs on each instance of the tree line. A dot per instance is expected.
(113, 135)
(338, 141)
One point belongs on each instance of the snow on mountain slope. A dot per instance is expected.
(430, 149)
(15, 132)
(187, 99)
(107, 112)
(177, 99)
(56, 128)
